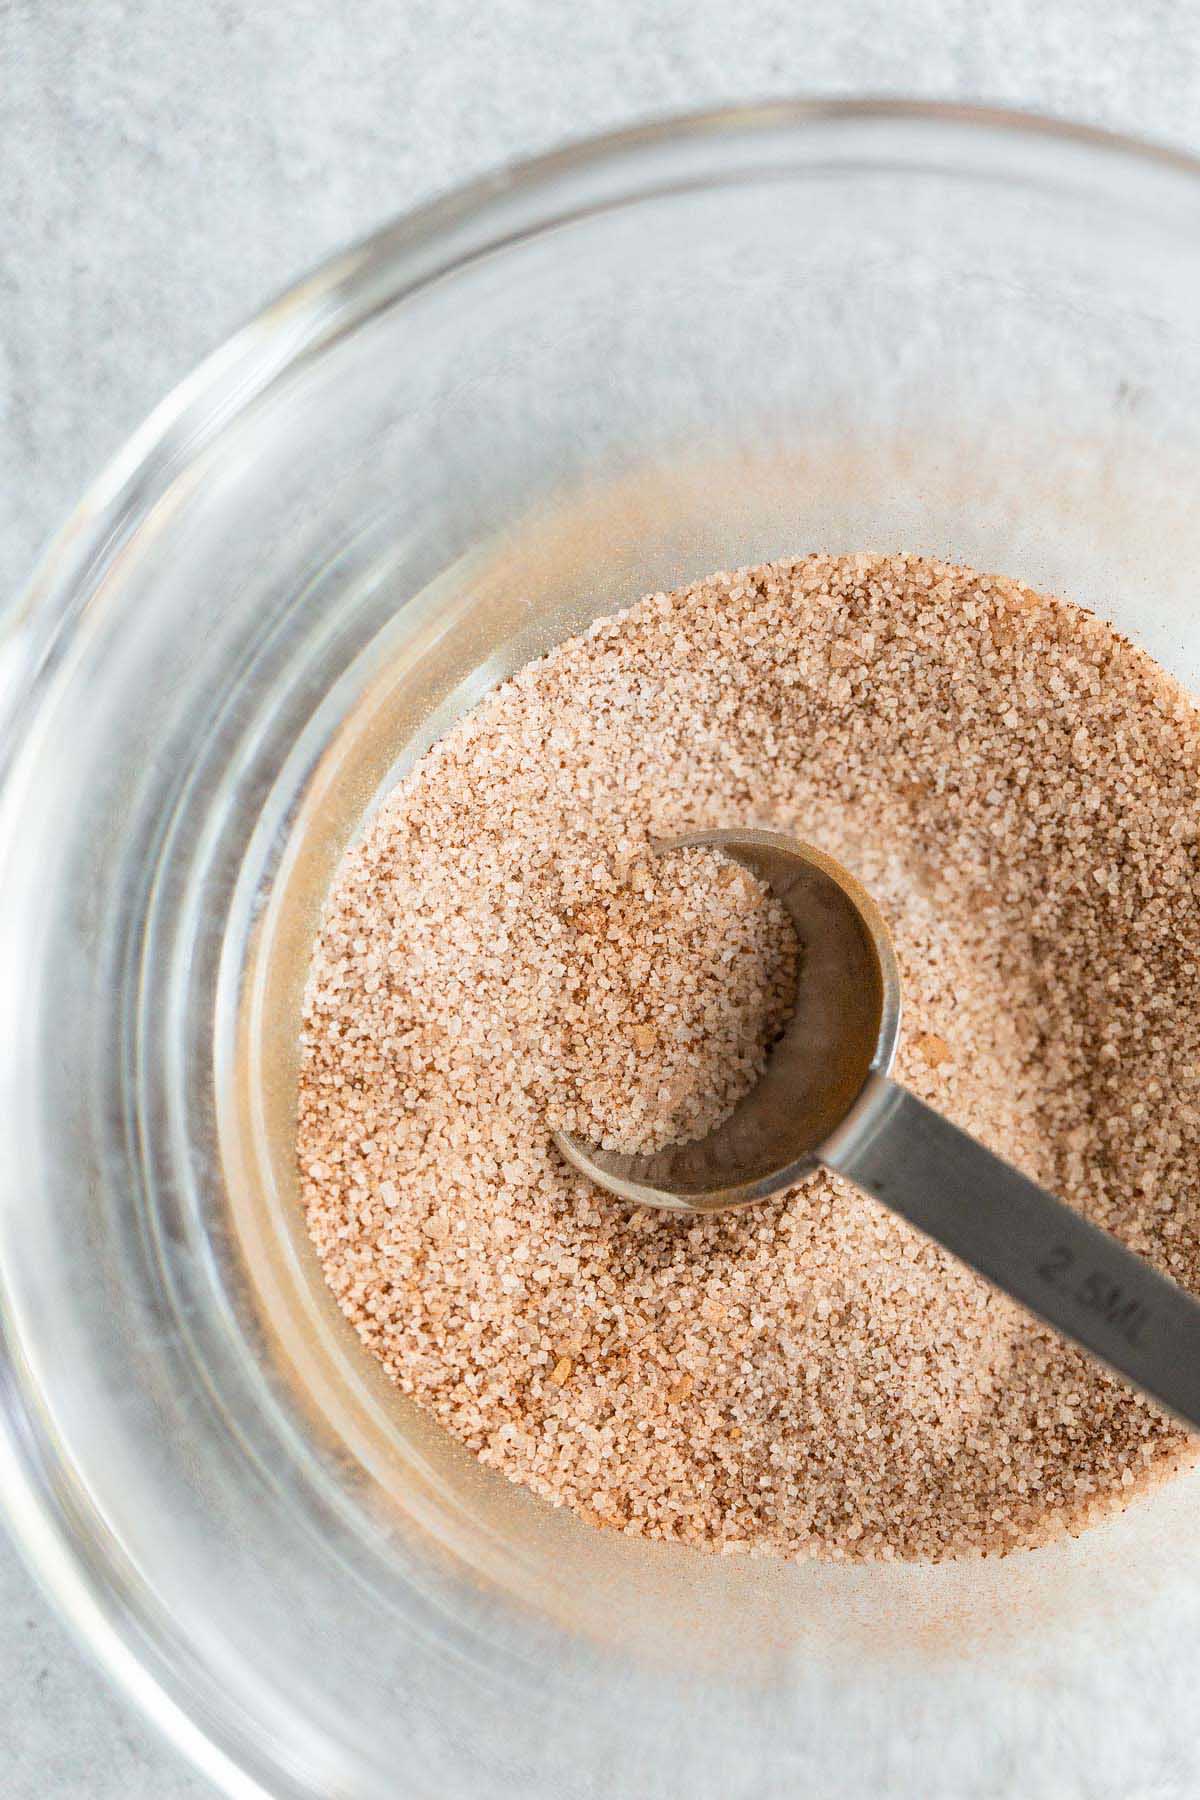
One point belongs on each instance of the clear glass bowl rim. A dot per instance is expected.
(477, 218)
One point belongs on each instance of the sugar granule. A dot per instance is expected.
(1018, 788)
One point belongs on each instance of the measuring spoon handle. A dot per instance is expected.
(1073, 1275)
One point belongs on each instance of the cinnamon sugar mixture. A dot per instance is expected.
(1019, 789)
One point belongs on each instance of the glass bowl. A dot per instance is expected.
(690, 346)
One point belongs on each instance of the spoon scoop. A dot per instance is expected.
(826, 1099)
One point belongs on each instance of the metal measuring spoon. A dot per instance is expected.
(826, 1098)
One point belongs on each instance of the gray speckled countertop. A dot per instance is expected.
(167, 167)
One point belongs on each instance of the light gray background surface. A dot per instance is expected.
(168, 166)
